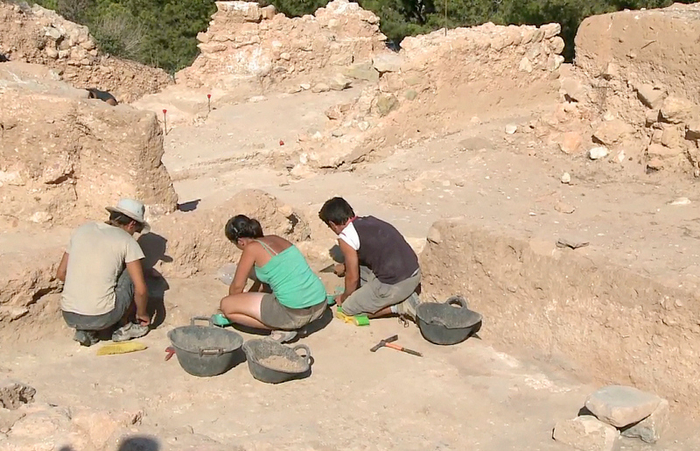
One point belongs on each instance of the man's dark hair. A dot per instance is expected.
(122, 220)
(242, 226)
(336, 210)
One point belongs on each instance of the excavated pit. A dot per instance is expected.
(565, 306)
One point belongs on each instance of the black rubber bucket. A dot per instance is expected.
(447, 323)
(206, 351)
(288, 364)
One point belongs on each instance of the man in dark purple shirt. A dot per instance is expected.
(381, 269)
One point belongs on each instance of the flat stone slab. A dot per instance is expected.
(652, 427)
(621, 406)
(587, 433)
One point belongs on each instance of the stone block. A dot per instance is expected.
(268, 12)
(386, 103)
(652, 427)
(338, 82)
(692, 131)
(651, 117)
(677, 110)
(362, 71)
(672, 137)
(621, 406)
(558, 45)
(586, 433)
(650, 96)
(655, 163)
(661, 151)
(598, 153)
(570, 142)
(612, 132)
(387, 62)
(573, 89)
(551, 30)
(320, 87)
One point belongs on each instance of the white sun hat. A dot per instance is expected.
(134, 209)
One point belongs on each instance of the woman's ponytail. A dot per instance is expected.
(241, 226)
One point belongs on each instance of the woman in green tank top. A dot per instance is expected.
(286, 295)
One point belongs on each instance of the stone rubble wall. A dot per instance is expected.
(634, 86)
(447, 77)
(249, 43)
(41, 36)
(485, 52)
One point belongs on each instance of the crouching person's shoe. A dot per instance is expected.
(129, 332)
(86, 337)
(407, 309)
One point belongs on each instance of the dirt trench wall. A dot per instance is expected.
(635, 82)
(64, 158)
(247, 43)
(38, 35)
(184, 243)
(559, 305)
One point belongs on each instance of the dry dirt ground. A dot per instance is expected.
(477, 395)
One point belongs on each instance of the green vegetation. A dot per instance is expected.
(163, 32)
(159, 33)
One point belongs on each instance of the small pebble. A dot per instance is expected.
(681, 201)
(597, 153)
(566, 178)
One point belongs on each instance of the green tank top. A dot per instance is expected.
(293, 282)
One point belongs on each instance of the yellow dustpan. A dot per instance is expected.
(121, 348)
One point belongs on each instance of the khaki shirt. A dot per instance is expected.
(97, 255)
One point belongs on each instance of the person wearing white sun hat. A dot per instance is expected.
(104, 281)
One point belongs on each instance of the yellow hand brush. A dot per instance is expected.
(121, 348)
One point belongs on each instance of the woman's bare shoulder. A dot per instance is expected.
(277, 242)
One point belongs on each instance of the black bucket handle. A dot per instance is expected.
(208, 319)
(305, 348)
(457, 300)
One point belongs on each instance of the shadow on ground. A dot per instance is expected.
(134, 443)
(154, 246)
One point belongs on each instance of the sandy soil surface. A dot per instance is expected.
(471, 396)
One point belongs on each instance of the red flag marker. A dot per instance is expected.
(209, 102)
(165, 123)
(281, 143)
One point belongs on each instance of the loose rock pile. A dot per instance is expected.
(38, 35)
(615, 410)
